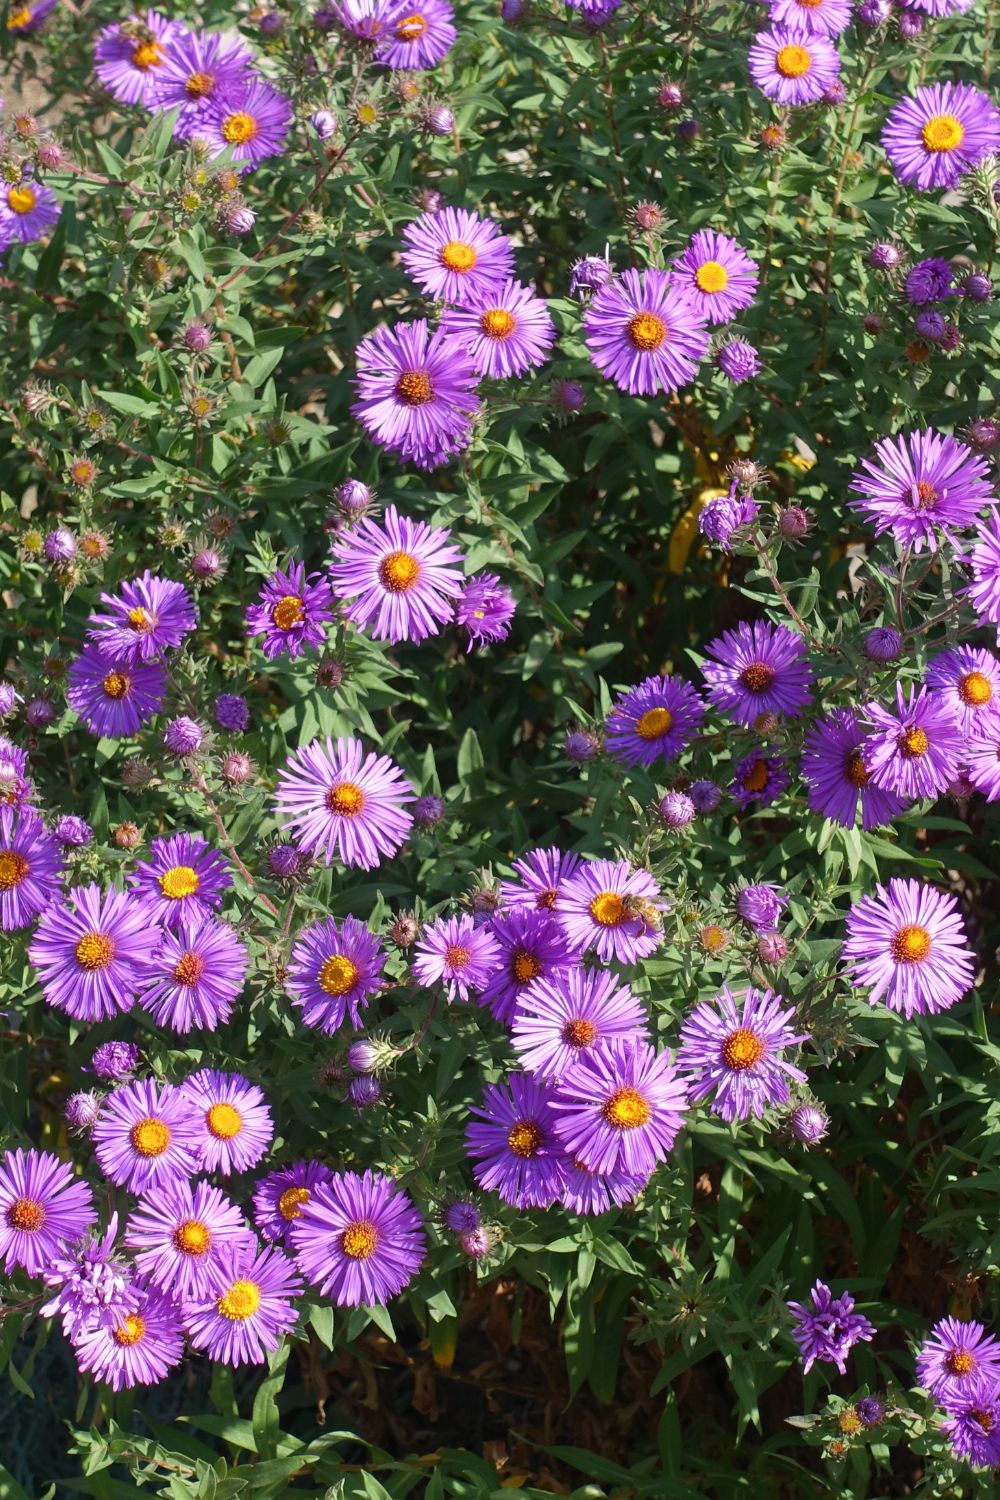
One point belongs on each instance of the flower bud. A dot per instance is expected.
(330, 673)
(477, 1243)
(81, 1111)
(237, 769)
(73, 832)
(882, 643)
(324, 123)
(676, 810)
(126, 836)
(670, 96)
(581, 745)
(793, 523)
(197, 337)
(59, 545)
(772, 948)
(404, 930)
(705, 795)
(809, 1123)
(183, 736)
(365, 1092)
(137, 772)
(285, 861)
(462, 1216)
(568, 396)
(39, 713)
(114, 1061)
(428, 811)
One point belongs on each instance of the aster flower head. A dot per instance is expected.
(417, 36)
(507, 330)
(513, 1144)
(457, 952)
(815, 17)
(24, 20)
(532, 946)
(359, 1239)
(621, 1108)
(809, 1124)
(82, 1110)
(921, 482)
(246, 1306)
(882, 644)
(195, 976)
(984, 564)
(908, 945)
(182, 881)
(137, 1350)
(718, 273)
(484, 610)
(588, 275)
(93, 1284)
(838, 775)
(732, 1049)
(456, 256)
(930, 280)
(590, 1193)
(402, 577)
(792, 66)
(92, 952)
(559, 1022)
(971, 1422)
(336, 799)
(935, 137)
(250, 119)
(968, 679)
(179, 1234)
(235, 1127)
(28, 210)
(199, 66)
(145, 618)
(278, 1198)
(739, 361)
(42, 1209)
(955, 1357)
(723, 515)
(291, 612)
(417, 392)
(758, 669)
(113, 1062)
(232, 713)
(656, 719)
(114, 699)
(759, 778)
(129, 55)
(183, 736)
(982, 761)
(542, 876)
(613, 909)
(334, 970)
(913, 749)
(644, 332)
(147, 1135)
(761, 905)
(71, 831)
(30, 866)
(827, 1327)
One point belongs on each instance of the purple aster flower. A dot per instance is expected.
(278, 1198)
(581, 745)
(644, 332)
(955, 1357)
(336, 799)
(884, 256)
(838, 776)
(24, 20)
(146, 1136)
(676, 810)
(613, 909)
(462, 1216)
(513, 1144)
(591, 1193)
(93, 1284)
(656, 719)
(359, 1239)
(183, 736)
(232, 713)
(721, 516)
(920, 481)
(758, 669)
(42, 1208)
(915, 748)
(113, 1062)
(146, 617)
(882, 644)
(984, 561)
(972, 1423)
(506, 329)
(73, 832)
(429, 810)
(456, 256)
(933, 138)
(828, 1329)
(129, 55)
(250, 119)
(930, 280)
(235, 1127)
(543, 874)
(484, 610)
(620, 1108)
(739, 361)
(195, 976)
(809, 1124)
(140, 1349)
(92, 952)
(532, 946)
(588, 275)
(420, 36)
(199, 66)
(334, 970)
(246, 1306)
(705, 795)
(968, 679)
(291, 612)
(791, 66)
(982, 755)
(732, 1048)
(182, 881)
(760, 906)
(60, 545)
(977, 287)
(717, 272)
(417, 393)
(458, 953)
(930, 325)
(114, 700)
(401, 576)
(181, 1233)
(908, 945)
(815, 17)
(30, 866)
(557, 1023)
(28, 210)
(759, 778)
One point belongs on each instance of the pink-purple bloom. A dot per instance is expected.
(968, 679)
(484, 610)
(621, 1108)
(246, 1307)
(234, 1125)
(359, 1239)
(43, 1207)
(933, 138)
(732, 1051)
(28, 210)
(402, 577)
(507, 330)
(251, 120)
(91, 1281)
(955, 1356)
(818, 17)
(198, 66)
(838, 775)
(907, 945)
(792, 66)
(971, 1422)
(513, 1143)
(757, 669)
(718, 273)
(92, 952)
(656, 719)
(129, 55)
(457, 952)
(30, 866)
(559, 1022)
(532, 946)
(147, 1135)
(417, 392)
(456, 256)
(145, 618)
(292, 612)
(334, 970)
(138, 1350)
(827, 1327)
(614, 909)
(336, 800)
(759, 778)
(195, 976)
(180, 1233)
(278, 1197)
(919, 483)
(418, 35)
(182, 881)
(645, 332)
(112, 698)
(915, 748)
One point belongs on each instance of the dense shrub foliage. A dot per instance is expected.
(500, 741)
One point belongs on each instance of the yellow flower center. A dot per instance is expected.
(984, 1418)
(848, 1421)
(943, 133)
(14, 869)
(414, 388)
(546, 900)
(793, 61)
(150, 1137)
(914, 742)
(975, 689)
(21, 200)
(608, 909)
(189, 968)
(411, 28)
(959, 1362)
(224, 1121)
(742, 1049)
(757, 677)
(524, 1138)
(755, 779)
(627, 1109)
(646, 331)
(290, 1202)
(240, 1302)
(712, 277)
(25, 1214)
(654, 722)
(139, 620)
(239, 128)
(910, 945)
(147, 55)
(19, 19)
(525, 966)
(399, 572)
(130, 1332)
(193, 1237)
(579, 1032)
(288, 611)
(116, 685)
(855, 769)
(367, 113)
(713, 939)
(926, 496)
(338, 974)
(498, 323)
(456, 255)
(95, 950)
(360, 1239)
(457, 957)
(179, 881)
(200, 85)
(346, 799)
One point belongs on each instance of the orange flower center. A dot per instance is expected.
(525, 966)
(150, 1137)
(360, 1239)
(927, 495)
(21, 200)
(189, 968)
(414, 388)
(646, 332)
(346, 799)
(240, 1302)
(25, 1214)
(116, 685)
(910, 945)
(411, 28)
(130, 1332)
(498, 323)
(793, 61)
(742, 1049)
(140, 621)
(193, 1237)
(338, 974)
(147, 55)
(975, 689)
(288, 611)
(19, 19)
(95, 950)
(855, 769)
(239, 128)
(457, 957)
(456, 255)
(959, 1362)
(755, 779)
(757, 677)
(200, 85)
(524, 1138)
(399, 572)
(627, 1109)
(291, 1201)
(579, 1032)
(224, 1121)
(654, 722)
(608, 909)
(913, 742)
(943, 133)
(14, 869)
(712, 277)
